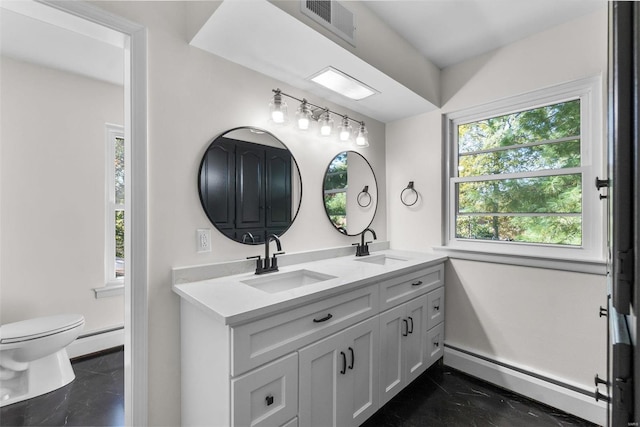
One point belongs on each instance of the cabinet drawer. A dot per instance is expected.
(435, 344)
(267, 396)
(403, 288)
(435, 307)
(266, 339)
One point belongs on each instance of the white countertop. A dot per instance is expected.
(232, 302)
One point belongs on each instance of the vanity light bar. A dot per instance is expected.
(309, 111)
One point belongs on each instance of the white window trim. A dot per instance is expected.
(113, 285)
(592, 251)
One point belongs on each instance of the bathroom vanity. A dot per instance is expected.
(321, 343)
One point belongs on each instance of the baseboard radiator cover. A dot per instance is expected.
(96, 341)
(564, 396)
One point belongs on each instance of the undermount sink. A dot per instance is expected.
(278, 282)
(382, 259)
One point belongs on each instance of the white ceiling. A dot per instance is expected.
(444, 31)
(449, 32)
(42, 35)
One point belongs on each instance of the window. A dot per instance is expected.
(522, 172)
(115, 205)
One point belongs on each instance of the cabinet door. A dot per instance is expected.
(415, 340)
(402, 346)
(249, 186)
(218, 183)
(339, 378)
(277, 189)
(392, 329)
(364, 371)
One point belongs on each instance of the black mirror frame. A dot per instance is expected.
(199, 181)
(375, 179)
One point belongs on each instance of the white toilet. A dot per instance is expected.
(33, 356)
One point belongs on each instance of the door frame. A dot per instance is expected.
(136, 281)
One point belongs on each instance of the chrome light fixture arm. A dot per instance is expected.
(309, 111)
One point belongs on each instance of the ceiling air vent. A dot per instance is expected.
(332, 15)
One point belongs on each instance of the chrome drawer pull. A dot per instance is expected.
(324, 319)
(418, 283)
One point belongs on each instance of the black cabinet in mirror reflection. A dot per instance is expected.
(249, 189)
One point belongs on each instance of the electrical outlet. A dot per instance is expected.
(203, 240)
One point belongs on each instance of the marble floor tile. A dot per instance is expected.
(94, 398)
(446, 397)
(440, 397)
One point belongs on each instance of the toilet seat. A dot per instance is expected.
(31, 329)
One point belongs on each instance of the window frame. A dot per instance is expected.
(112, 132)
(592, 148)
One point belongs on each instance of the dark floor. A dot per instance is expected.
(94, 398)
(440, 397)
(445, 397)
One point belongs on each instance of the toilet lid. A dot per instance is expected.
(39, 327)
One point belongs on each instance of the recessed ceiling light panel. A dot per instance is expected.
(343, 84)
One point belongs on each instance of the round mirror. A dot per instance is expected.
(350, 193)
(250, 185)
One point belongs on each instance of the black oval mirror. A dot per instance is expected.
(250, 185)
(350, 193)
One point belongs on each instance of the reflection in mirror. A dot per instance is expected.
(249, 184)
(350, 193)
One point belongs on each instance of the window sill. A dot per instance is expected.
(111, 289)
(598, 267)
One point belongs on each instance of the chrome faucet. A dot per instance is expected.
(363, 247)
(268, 265)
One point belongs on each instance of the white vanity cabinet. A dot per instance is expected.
(339, 378)
(330, 360)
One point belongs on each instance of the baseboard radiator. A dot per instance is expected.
(96, 341)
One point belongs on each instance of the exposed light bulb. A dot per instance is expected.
(303, 123)
(326, 124)
(361, 138)
(277, 116)
(278, 108)
(304, 116)
(345, 129)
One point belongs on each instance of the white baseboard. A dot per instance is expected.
(96, 342)
(563, 398)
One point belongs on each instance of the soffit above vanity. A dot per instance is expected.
(264, 38)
